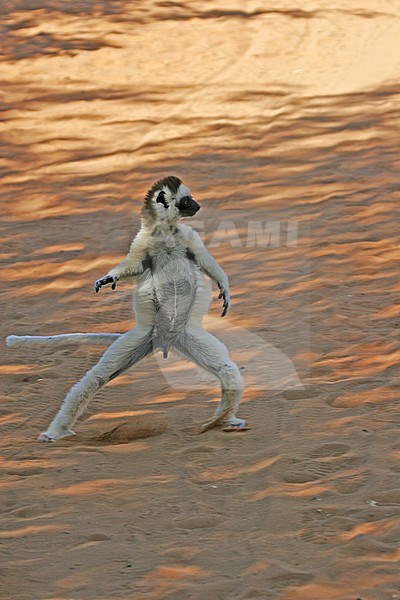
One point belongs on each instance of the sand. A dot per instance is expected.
(278, 115)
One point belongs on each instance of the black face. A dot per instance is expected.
(188, 207)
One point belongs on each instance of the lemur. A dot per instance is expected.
(168, 261)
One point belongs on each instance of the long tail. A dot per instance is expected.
(17, 341)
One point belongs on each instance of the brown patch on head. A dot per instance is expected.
(126, 432)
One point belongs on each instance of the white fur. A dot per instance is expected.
(18, 341)
(171, 299)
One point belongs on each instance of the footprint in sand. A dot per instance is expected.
(328, 462)
(311, 470)
(352, 482)
(327, 530)
(330, 450)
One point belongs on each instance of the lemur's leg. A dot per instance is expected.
(212, 355)
(122, 354)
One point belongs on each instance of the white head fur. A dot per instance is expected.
(167, 202)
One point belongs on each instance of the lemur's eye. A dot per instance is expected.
(185, 202)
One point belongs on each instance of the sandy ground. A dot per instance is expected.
(278, 115)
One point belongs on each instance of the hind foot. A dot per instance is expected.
(53, 436)
(235, 424)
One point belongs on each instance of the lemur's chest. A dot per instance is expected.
(167, 250)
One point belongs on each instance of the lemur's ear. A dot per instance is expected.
(161, 198)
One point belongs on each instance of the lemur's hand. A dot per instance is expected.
(104, 281)
(224, 293)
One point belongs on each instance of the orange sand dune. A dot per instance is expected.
(283, 118)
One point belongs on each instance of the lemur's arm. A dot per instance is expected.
(130, 266)
(208, 264)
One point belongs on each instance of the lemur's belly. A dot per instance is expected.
(175, 286)
(170, 293)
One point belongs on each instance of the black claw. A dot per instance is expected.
(225, 303)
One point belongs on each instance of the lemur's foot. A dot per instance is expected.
(235, 424)
(232, 424)
(53, 436)
(215, 421)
